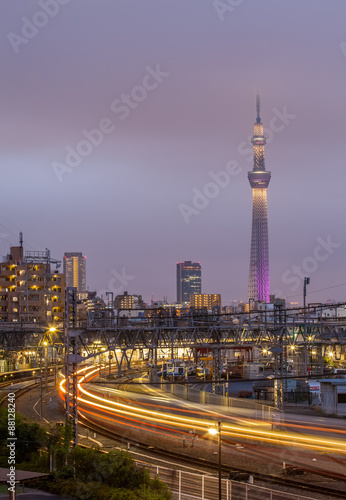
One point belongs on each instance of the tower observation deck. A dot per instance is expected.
(259, 178)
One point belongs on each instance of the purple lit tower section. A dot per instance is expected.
(259, 180)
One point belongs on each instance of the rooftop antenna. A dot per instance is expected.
(258, 107)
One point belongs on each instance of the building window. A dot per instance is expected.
(342, 398)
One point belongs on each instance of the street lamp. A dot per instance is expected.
(213, 431)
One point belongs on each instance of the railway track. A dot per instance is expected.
(21, 391)
(267, 478)
(18, 392)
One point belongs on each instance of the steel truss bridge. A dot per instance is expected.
(156, 335)
(150, 333)
(16, 336)
(217, 333)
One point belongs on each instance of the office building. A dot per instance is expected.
(189, 280)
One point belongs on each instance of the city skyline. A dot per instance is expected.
(140, 156)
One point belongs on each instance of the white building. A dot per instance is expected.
(333, 397)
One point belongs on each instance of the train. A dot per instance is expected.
(6, 377)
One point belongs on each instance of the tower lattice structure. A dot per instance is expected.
(259, 180)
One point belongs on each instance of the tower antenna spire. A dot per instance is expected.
(258, 108)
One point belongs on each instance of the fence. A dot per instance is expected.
(243, 406)
(297, 398)
(190, 486)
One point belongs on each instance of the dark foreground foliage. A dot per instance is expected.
(80, 473)
(106, 476)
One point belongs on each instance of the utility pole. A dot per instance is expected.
(71, 361)
(110, 363)
(306, 282)
(45, 365)
(41, 397)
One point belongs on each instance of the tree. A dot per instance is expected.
(31, 437)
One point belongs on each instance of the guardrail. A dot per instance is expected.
(191, 486)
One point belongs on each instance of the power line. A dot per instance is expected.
(316, 291)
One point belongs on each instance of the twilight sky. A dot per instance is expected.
(168, 88)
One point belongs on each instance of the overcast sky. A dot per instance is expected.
(168, 89)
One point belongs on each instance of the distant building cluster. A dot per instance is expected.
(32, 289)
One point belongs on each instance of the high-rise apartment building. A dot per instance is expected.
(75, 270)
(126, 301)
(259, 178)
(29, 290)
(205, 301)
(189, 280)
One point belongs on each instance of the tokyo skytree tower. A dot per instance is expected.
(259, 180)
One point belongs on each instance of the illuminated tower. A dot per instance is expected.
(259, 180)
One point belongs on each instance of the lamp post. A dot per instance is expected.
(217, 431)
